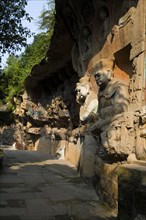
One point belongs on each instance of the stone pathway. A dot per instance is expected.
(33, 187)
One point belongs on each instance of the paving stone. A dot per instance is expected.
(34, 188)
(24, 195)
(38, 207)
(14, 203)
(10, 217)
(12, 211)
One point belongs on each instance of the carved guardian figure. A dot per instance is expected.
(113, 100)
(87, 99)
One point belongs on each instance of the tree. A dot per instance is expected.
(47, 17)
(12, 33)
(18, 68)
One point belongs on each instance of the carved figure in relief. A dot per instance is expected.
(87, 99)
(81, 51)
(140, 150)
(105, 20)
(113, 94)
(85, 43)
(113, 100)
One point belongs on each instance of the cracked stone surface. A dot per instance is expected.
(34, 187)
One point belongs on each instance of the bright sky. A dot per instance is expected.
(34, 8)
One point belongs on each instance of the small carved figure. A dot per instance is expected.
(87, 99)
(140, 150)
(105, 22)
(85, 43)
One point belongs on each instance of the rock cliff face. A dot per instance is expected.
(85, 33)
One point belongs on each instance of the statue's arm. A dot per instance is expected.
(121, 100)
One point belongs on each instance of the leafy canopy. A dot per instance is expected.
(12, 34)
(19, 67)
(46, 19)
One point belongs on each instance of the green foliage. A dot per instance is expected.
(18, 68)
(46, 18)
(35, 52)
(12, 34)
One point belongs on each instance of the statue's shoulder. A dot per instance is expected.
(114, 86)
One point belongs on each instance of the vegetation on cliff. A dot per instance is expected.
(19, 67)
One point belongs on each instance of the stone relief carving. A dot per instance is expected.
(87, 99)
(105, 19)
(102, 28)
(113, 93)
(81, 51)
(140, 150)
(113, 100)
(85, 43)
(75, 59)
(82, 48)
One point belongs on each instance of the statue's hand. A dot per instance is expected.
(94, 127)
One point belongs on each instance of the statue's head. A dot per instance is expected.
(82, 90)
(103, 72)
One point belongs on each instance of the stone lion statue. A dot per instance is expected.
(87, 99)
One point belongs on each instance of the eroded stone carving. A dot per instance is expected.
(105, 21)
(82, 50)
(113, 93)
(140, 150)
(113, 100)
(87, 99)
(85, 43)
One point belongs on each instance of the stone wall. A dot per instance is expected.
(132, 192)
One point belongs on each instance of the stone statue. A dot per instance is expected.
(113, 93)
(113, 100)
(88, 110)
(87, 99)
